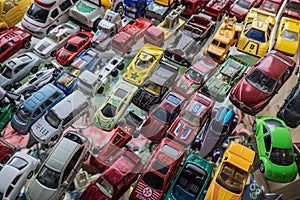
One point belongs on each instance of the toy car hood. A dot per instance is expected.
(39, 191)
(45, 46)
(221, 193)
(42, 131)
(238, 10)
(3, 81)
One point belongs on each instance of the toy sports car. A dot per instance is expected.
(73, 47)
(143, 64)
(219, 85)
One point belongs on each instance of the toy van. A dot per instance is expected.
(34, 107)
(51, 125)
(44, 15)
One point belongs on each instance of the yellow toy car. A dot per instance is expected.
(232, 174)
(143, 64)
(287, 37)
(12, 11)
(255, 37)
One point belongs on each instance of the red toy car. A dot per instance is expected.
(240, 8)
(292, 9)
(271, 6)
(255, 90)
(6, 150)
(195, 76)
(73, 47)
(116, 179)
(217, 8)
(162, 116)
(159, 171)
(191, 119)
(12, 40)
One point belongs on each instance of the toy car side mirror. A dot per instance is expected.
(65, 184)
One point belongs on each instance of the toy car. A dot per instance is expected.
(16, 69)
(219, 85)
(154, 36)
(289, 111)
(6, 112)
(255, 37)
(114, 106)
(55, 39)
(121, 172)
(262, 82)
(87, 59)
(292, 9)
(6, 150)
(162, 116)
(192, 118)
(18, 169)
(34, 107)
(155, 87)
(217, 8)
(275, 149)
(12, 40)
(159, 171)
(287, 37)
(240, 8)
(191, 180)
(75, 44)
(231, 176)
(39, 79)
(67, 80)
(195, 76)
(142, 65)
(12, 12)
(60, 167)
(272, 6)
(222, 122)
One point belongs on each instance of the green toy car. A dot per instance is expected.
(275, 149)
(219, 85)
(6, 113)
(191, 180)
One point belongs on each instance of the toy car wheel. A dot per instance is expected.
(129, 50)
(121, 66)
(120, 9)
(53, 53)
(261, 167)
(17, 85)
(54, 138)
(95, 25)
(246, 140)
(114, 73)
(100, 90)
(30, 175)
(34, 69)
(50, 29)
(136, 133)
(153, 146)
(87, 155)
(27, 44)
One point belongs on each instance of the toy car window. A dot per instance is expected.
(256, 34)
(121, 93)
(37, 13)
(109, 110)
(282, 156)
(294, 105)
(270, 6)
(170, 151)
(54, 13)
(215, 42)
(46, 104)
(6, 72)
(105, 187)
(173, 99)
(261, 81)
(24, 58)
(52, 119)
(37, 113)
(23, 114)
(4, 48)
(294, 6)
(268, 142)
(71, 47)
(8, 5)
(290, 35)
(162, 115)
(65, 5)
(154, 181)
(244, 4)
(18, 163)
(194, 75)
(48, 178)
(271, 123)
(160, 167)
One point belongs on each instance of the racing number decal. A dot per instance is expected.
(252, 46)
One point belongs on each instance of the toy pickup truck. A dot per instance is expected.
(110, 25)
(125, 40)
(92, 83)
(227, 35)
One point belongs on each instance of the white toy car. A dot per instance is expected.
(51, 125)
(14, 174)
(55, 39)
(60, 168)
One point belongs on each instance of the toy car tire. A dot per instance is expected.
(100, 90)
(53, 53)
(30, 175)
(120, 9)
(54, 138)
(121, 66)
(262, 167)
(34, 70)
(27, 44)
(87, 155)
(114, 73)
(153, 146)
(95, 25)
(129, 50)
